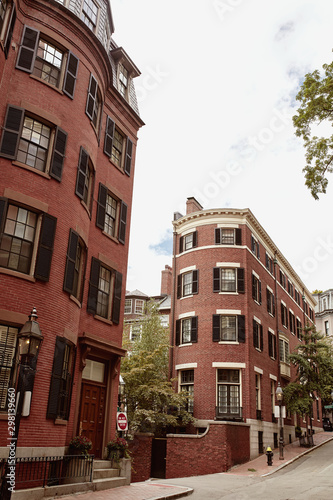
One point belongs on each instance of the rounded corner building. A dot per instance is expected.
(238, 310)
(69, 121)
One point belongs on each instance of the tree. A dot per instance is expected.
(314, 362)
(152, 403)
(316, 98)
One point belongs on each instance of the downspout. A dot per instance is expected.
(277, 320)
(173, 298)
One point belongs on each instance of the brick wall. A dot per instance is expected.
(140, 449)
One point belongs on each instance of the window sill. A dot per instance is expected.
(257, 349)
(60, 421)
(104, 320)
(272, 315)
(186, 297)
(31, 169)
(229, 342)
(228, 293)
(74, 299)
(17, 274)
(258, 303)
(185, 345)
(34, 77)
(113, 238)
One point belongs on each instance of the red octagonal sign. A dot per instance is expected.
(121, 421)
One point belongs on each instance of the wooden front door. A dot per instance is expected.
(92, 416)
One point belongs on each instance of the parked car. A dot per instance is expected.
(327, 424)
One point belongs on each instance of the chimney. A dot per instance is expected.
(192, 205)
(166, 282)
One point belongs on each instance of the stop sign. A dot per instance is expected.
(122, 421)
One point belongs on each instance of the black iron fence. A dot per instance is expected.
(34, 472)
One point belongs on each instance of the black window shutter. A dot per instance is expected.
(254, 287)
(179, 286)
(12, 132)
(178, 323)
(58, 155)
(216, 327)
(259, 287)
(253, 244)
(273, 302)
(270, 344)
(99, 125)
(9, 35)
(195, 281)
(128, 157)
(195, 239)
(70, 75)
(55, 385)
(241, 328)
(28, 49)
(117, 298)
(91, 99)
(3, 212)
(93, 286)
(45, 248)
(238, 238)
(101, 205)
(255, 333)
(274, 343)
(258, 250)
(82, 172)
(122, 223)
(261, 338)
(194, 329)
(268, 295)
(70, 261)
(240, 280)
(217, 236)
(109, 133)
(216, 279)
(181, 243)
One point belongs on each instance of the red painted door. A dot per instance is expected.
(92, 416)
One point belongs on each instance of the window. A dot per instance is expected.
(135, 331)
(284, 351)
(284, 315)
(187, 385)
(271, 344)
(118, 147)
(104, 294)
(299, 328)
(228, 236)
(33, 142)
(188, 241)
(269, 263)
(139, 306)
(44, 59)
(228, 393)
(255, 247)
(228, 280)
(8, 337)
(292, 322)
(324, 304)
(111, 214)
(128, 306)
(297, 297)
(23, 247)
(123, 80)
(61, 380)
(187, 284)
(94, 103)
(290, 288)
(75, 265)
(89, 14)
(256, 288)
(187, 330)
(258, 340)
(85, 179)
(282, 279)
(7, 22)
(228, 328)
(270, 301)
(327, 328)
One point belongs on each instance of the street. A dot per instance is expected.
(308, 478)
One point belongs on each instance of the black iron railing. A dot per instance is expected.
(33, 472)
(229, 412)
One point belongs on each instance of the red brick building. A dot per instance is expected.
(69, 122)
(238, 310)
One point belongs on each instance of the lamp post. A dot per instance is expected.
(279, 397)
(29, 341)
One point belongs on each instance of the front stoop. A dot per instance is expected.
(105, 477)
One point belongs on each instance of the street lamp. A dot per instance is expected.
(29, 341)
(279, 397)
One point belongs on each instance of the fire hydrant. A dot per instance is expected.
(269, 455)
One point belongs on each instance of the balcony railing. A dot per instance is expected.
(34, 472)
(229, 413)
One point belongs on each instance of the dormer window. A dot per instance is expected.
(89, 14)
(123, 80)
(126, 70)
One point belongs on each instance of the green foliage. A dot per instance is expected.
(314, 362)
(316, 98)
(152, 403)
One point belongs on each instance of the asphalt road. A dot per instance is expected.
(308, 478)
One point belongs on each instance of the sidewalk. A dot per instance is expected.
(151, 490)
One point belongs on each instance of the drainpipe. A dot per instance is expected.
(277, 318)
(173, 301)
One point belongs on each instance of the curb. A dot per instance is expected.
(185, 493)
(296, 458)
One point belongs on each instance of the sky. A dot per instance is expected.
(217, 94)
